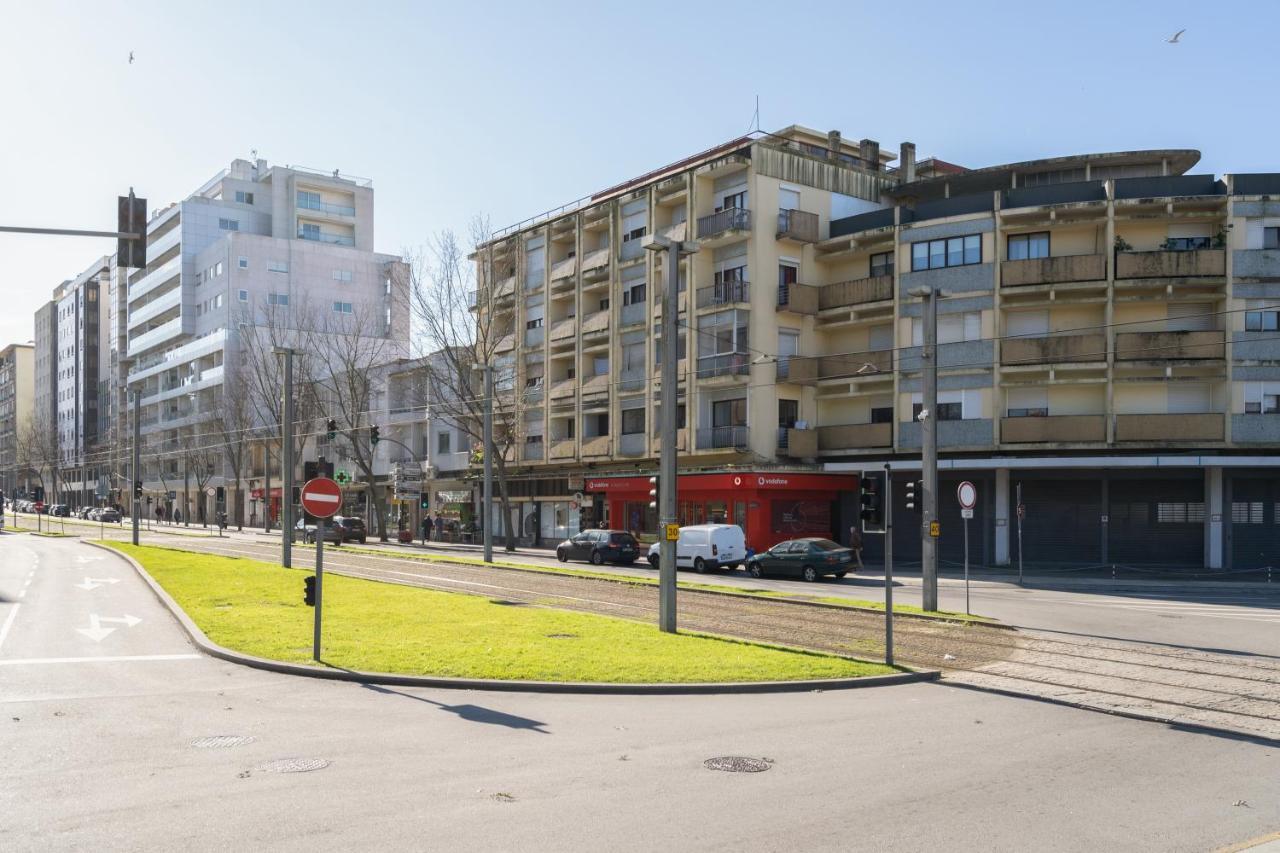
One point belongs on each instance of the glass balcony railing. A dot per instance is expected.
(324, 207)
(326, 237)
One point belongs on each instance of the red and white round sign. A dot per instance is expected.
(321, 497)
(967, 495)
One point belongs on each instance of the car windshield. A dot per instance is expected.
(826, 545)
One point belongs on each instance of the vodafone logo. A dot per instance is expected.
(772, 481)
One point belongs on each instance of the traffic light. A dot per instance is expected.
(332, 427)
(871, 495)
(425, 502)
(373, 436)
(653, 492)
(309, 590)
(915, 495)
(131, 218)
(137, 489)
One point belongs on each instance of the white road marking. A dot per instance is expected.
(100, 659)
(94, 583)
(97, 633)
(8, 623)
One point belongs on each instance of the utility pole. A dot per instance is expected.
(286, 486)
(137, 460)
(888, 565)
(667, 514)
(929, 522)
(486, 512)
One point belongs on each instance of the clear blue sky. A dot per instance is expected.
(507, 109)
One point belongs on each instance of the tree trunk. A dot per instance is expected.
(509, 537)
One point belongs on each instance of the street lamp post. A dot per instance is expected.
(667, 464)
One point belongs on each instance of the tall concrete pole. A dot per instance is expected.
(286, 476)
(929, 451)
(486, 512)
(667, 462)
(137, 460)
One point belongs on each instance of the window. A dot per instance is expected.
(217, 301)
(278, 266)
(882, 264)
(533, 439)
(1028, 403)
(308, 200)
(952, 405)
(788, 413)
(243, 295)
(726, 413)
(342, 275)
(788, 274)
(217, 269)
(535, 323)
(243, 197)
(277, 299)
(1246, 512)
(882, 414)
(952, 252)
(633, 421)
(734, 200)
(635, 294)
(1181, 513)
(309, 231)
(1262, 398)
(952, 328)
(722, 332)
(1271, 238)
(342, 307)
(1025, 246)
(1261, 317)
(229, 224)
(1185, 244)
(243, 263)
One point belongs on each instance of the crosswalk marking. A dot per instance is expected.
(95, 659)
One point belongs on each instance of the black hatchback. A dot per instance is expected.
(600, 546)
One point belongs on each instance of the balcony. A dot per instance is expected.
(855, 436)
(631, 249)
(856, 292)
(154, 308)
(596, 385)
(564, 329)
(1069, 429)
(596, 323)
(633, 379)
(153, 277)
(325, 207)
(505, 343)
(1059, 270)
(505, 288)
(724, 223)
(1196, 263)
(535, 336)
(632, 444)
(724, 293)
(864, 364)
(139, 344)
(564, 389)
(565, 268)
(636, 312)
(564, 449)
(723, 437)
(596, 446)
(798, 370)
(1162, 428)
(797, 225)
(798, 298)
(797, 443)
(326, 237)
(1055, 349)
(533, 451)
(1159, 346)
(725, 364)
(595, 265)
(682, 441)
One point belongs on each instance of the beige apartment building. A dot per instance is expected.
(17, 402)
(1108, 348)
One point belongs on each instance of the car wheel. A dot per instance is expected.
(596, 558)
(653, 561)
(810, 574)
(755, 571)
(561, 555)
(841, 574)
(700, 566)
(362, 540)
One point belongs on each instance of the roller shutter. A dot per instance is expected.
(1156, 522)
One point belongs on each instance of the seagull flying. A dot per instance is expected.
(131, 57)
(1173, 39)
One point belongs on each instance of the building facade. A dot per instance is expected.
(1108, 347)
(17, 402)
(81, 369)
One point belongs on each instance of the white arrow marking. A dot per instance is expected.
(97, 633)
(94, 583)
(81, 559)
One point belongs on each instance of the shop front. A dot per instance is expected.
(769, 507)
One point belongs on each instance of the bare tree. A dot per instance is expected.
(234, 426)
(458, 340)
(39, 450)
(200, 454)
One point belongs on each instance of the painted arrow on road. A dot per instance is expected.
(94, 583)
(96, 632)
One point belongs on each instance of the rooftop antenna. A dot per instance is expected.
(755, 117)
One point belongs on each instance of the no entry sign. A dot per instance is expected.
(321, 497)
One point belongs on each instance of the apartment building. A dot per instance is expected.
(256, 246)
(1108, 348)
(17, 401)
(80, 410)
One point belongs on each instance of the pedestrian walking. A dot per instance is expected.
(425, 525)
(159, 514)
(855, 542)
(177, 516)
(439, 527)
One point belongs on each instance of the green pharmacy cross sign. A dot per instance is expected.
(343, 478)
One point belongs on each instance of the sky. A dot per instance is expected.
(504, 110)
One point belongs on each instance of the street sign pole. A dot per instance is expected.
(315, 630)
(321, 497)
(966, 566)
(1020, 514)
(967, 494)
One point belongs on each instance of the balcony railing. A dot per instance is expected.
(326, 237)
(595, 323)
(1156, 346)
(726, 364)
(325, 207)
(636, 312)
(596, 385)
(1054, 349)
(533, 450)
(864, 364)
(564, 388)
(855, 436)
(630, 249)
(723, 437)
(724, 293)
(797, 443)
(1191, 264)
(798, 225)
(798, 298)
(596, 260)
(595, 446)
(802, 371)
(856, 292)
(1161, 428)
(1053, 428)
(729, 219)
(534, 337)
(565, 268)
(1062, 269)
(564, 329)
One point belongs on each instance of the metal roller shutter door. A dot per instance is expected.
(1255, 534)
(1156, 522)
(1063, 525)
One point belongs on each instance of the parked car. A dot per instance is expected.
(109, 514)
(60, 510)
(352, 527)
(307, 532)
(706, 547)
(83, 512)
(807, 558)
(600, 546)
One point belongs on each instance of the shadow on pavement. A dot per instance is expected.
(1183, 646)
(471, 713)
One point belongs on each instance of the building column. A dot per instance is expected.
(1213, 504)
(1002, 517)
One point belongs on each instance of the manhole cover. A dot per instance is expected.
(222, 741)
(738, 764)
(293, 765)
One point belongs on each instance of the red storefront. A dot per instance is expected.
(770, 507)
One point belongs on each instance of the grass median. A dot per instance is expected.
(256, 607)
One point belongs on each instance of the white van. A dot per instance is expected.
(706, 547)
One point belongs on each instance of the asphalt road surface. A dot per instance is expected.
(106, 725)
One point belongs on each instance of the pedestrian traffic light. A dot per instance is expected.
(332, 427)
(914, 495)
(871, 496)
(309, 590)
(424, 502)
(654, 492)
(373, 436)
(137, 489)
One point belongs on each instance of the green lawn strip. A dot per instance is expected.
(256, 607)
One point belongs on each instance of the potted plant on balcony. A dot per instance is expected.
(1122, 245)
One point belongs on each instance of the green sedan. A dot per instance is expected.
(806, 558)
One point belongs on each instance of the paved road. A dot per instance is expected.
(100, 756)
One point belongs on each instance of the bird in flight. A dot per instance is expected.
(131, 57)
(1173, 39)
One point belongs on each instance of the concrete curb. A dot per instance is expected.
(214, 650)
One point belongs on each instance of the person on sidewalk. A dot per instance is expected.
(426, 529)
(439, 527)
(855, 542)
(177, 516)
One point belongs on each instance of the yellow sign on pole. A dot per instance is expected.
(673, 532)
(935, 529)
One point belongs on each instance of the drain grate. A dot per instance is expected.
(738, 764)
(222, 741)
(293, 765)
